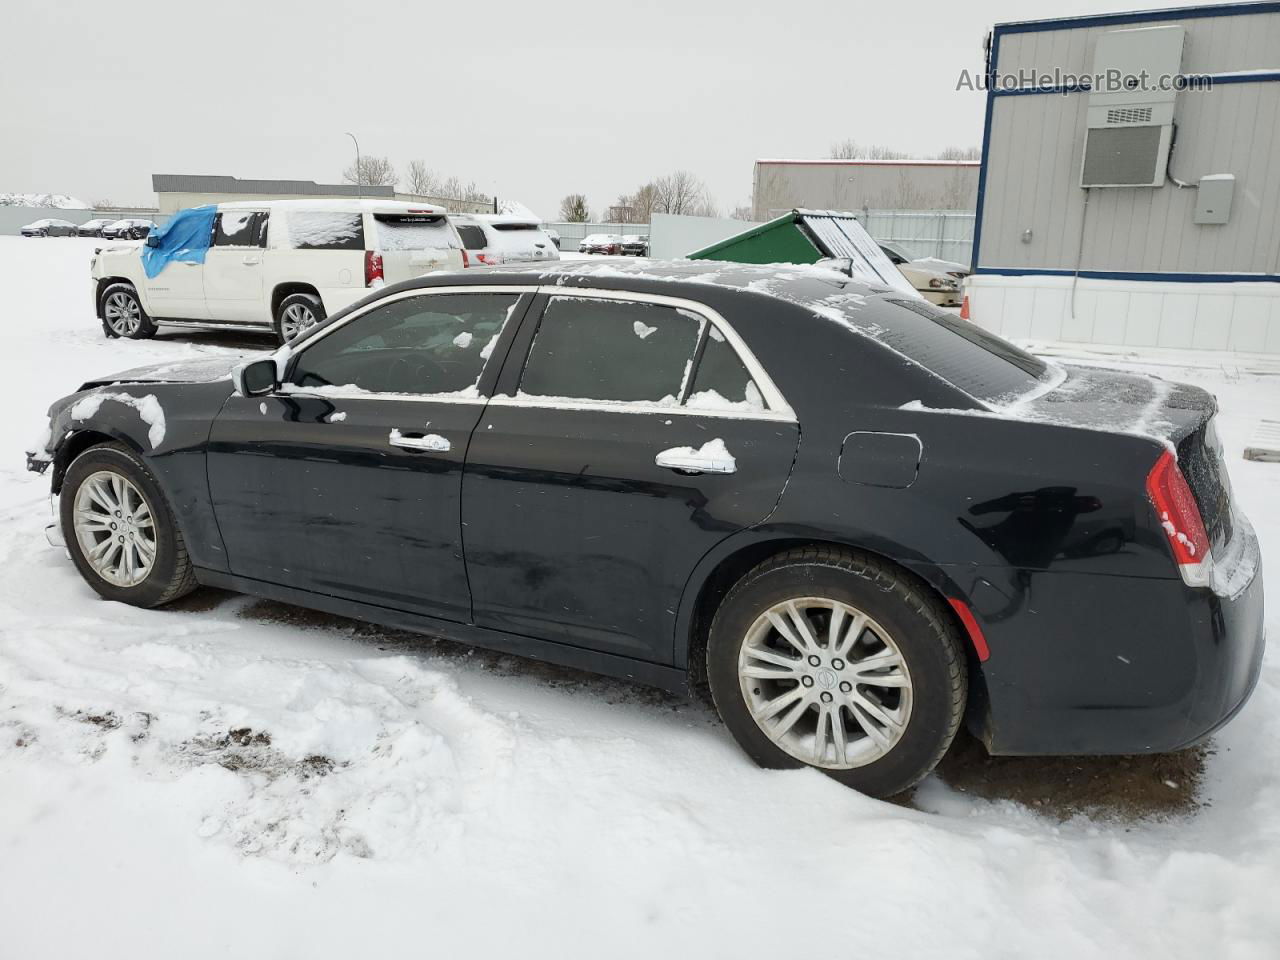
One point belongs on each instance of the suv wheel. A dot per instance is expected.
(120, 531)
(298, 312)
(830, 659)
(122, 313)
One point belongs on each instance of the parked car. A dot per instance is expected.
(936, 286)
(281, 265)
(967, 533)
(93, 228)
(609, 243)
(634, 245)
(49, 228)
(128, 229)
(502, 238)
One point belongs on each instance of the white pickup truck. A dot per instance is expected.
(281, 265)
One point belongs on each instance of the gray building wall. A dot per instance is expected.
(782, 185)
(1036, 143)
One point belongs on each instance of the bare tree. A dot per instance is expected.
(372, 172)
(960, 153)
(573, 209)
(852, 150)
(682, 193)
(419, 179)
(740, 213)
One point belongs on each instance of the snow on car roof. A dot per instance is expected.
(335, 205)
(508, 218)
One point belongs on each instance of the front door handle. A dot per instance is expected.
(431, 442)
(711, 457)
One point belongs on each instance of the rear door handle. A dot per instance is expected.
(710, 458)
(431, 442)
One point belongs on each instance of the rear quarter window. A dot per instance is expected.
(981, 364)
(321, 230)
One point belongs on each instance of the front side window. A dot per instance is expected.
(433, 344)
(611, 350)
(233, 228)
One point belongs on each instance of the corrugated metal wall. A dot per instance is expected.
(1037, 142)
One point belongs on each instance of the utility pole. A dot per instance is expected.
(359, 172)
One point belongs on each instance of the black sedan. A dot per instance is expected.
(93, 228)
(855, 518)
(127, 229)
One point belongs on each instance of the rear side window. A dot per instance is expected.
(321, 230)
(233, 228)
(413, 232)
(966, 356)
(611, 350)
(473, 237)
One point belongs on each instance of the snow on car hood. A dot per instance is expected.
(204, 370)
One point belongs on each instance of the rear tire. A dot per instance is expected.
(298, 313)
(874, 703)
(120, 531)
(122, 314)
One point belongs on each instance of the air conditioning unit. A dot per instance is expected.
(1130, 118)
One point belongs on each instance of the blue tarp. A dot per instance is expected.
(185, 237)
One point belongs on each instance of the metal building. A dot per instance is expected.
(782, 185)
(1130, 189)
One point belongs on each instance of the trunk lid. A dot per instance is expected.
(1176, 415)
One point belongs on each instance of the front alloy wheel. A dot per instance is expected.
(115, 528)
(825, 682)
(123, 313)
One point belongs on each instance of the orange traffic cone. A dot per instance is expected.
(964, 308)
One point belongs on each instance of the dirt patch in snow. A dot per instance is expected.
(1139, 787)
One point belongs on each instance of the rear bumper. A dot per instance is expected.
(1084, 664)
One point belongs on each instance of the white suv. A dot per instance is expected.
(492, 238)
(283, 265)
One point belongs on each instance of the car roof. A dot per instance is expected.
(336, 205)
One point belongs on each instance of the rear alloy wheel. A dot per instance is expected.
(832, 659)
(296, 314)
(122, 313)
(120, 531)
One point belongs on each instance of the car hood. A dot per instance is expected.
(204, 370)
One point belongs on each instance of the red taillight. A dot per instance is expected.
(1179, 516)
(372, 267)
(466, 260)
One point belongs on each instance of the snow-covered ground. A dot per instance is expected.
(232, 778)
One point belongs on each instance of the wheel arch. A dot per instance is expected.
(288, 288)
(77, 442)
(722, 568)
(106, 282)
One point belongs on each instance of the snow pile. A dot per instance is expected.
(59, 201)
(148, 408)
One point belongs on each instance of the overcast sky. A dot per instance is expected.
(531, 99)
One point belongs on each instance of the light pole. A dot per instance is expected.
(359, 172)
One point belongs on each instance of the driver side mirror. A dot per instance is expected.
(152, 240)
(257, 379)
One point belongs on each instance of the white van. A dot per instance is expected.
(282, 265)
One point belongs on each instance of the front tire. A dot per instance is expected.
(122, 313)
(298, 313)
(832, 659)
(120, 531)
